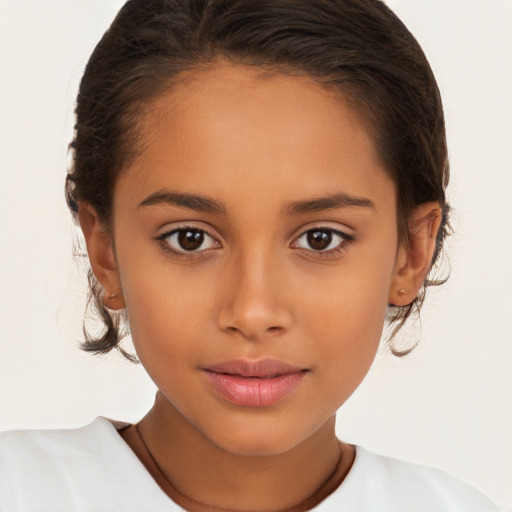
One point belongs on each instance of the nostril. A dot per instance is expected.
(253, 318)
(254, 334)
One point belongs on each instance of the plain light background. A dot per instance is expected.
(449, 404)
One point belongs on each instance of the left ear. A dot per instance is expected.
(414, 259)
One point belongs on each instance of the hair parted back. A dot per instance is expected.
(358, 47)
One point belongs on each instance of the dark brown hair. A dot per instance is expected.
(358, 47)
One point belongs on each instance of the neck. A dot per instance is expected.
(193, 470)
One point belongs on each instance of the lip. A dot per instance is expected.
(254, 383)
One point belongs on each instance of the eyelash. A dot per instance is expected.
(332, 253)
(163, 240)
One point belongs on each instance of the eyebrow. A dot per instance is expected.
(195, 202)
(319, 204)
(205, 204)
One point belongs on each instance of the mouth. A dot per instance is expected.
(255, 383)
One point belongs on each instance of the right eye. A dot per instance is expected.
(188, 240)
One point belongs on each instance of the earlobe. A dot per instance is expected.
(414, 259)
(101, 256)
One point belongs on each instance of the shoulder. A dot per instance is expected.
(100, 426)
(89, 469)
(51, 444)
(46, 463)
(384, 484)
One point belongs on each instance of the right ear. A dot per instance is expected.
(101, 255)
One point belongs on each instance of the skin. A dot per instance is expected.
(257, 290)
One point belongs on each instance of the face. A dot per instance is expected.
(255, 242)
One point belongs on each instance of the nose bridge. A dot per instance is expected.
(255, 305)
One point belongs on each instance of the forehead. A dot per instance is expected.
(221, 128)
(226, 97)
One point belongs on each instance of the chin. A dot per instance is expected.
(251, 446)
(261, 438)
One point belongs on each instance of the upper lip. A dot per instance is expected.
(262, 368)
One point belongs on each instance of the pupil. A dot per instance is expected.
(319, 239)
(190, 240)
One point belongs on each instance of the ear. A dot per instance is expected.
(101, 255)
(414, 259)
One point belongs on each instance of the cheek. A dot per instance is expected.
(166, 309)
(346, 321)
(164, 337)
(347, 341)
(352, 300)
(348, 330)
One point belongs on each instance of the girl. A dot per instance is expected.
(259, 184)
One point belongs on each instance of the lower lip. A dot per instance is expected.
(255, 392)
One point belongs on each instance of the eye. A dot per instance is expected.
(322, 240)
(188, 240)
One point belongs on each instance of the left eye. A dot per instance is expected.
(321, 240)
(185, 240)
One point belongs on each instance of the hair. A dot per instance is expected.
(357, 47)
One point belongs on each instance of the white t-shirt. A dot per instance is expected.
(91, 469)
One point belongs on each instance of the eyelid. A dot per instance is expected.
(344, 230)
(170, 227)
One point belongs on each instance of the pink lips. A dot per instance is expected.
(254, 383)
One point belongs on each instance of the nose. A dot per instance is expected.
(255, 302)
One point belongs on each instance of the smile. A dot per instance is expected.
(254, 384)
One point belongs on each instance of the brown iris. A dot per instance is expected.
(319, 240)
(190, 239)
